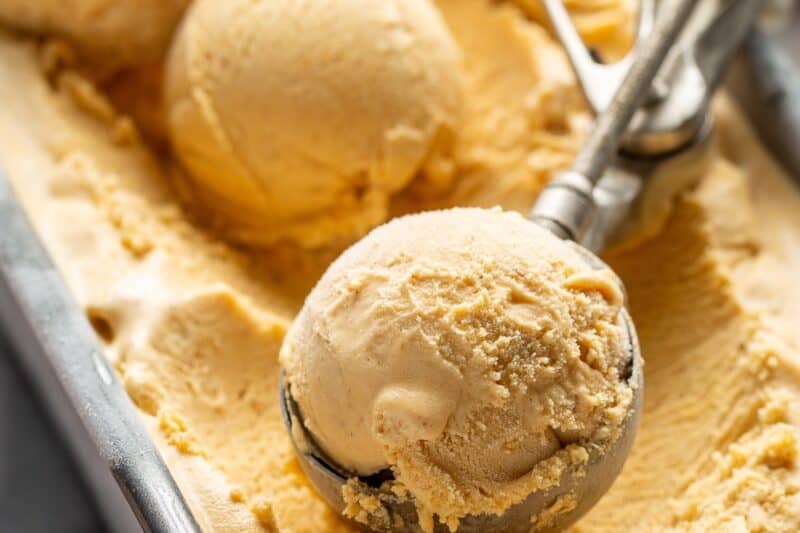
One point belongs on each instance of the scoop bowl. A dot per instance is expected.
(584, 483)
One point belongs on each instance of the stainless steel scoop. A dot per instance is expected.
(642, 120)
(586, 483)
(650, 122)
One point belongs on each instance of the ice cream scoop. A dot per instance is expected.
(481, 362)
(296, 120)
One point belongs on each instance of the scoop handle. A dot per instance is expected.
(565, 206)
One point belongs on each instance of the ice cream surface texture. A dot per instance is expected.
(193, 325)
(297, 119)
(462, 347)
(114, 32)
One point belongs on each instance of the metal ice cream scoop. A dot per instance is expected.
(658, 115)
(651, 106)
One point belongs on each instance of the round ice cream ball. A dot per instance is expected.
(461, 348)
(108, 31)
(297, 119)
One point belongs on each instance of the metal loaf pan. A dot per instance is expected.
(58, 349)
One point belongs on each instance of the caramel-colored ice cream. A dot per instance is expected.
(296, 120)
(193, 325)
(114, 32)
(462, 348)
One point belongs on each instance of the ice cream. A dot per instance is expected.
(113, 32)
(296, 120)
(193, 324)
(462, 348)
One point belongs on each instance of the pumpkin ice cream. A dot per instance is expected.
(297, 120)
(193, 324)
(465, 358)
(114, 32)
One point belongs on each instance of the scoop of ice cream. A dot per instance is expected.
(297, 119)
(461, 348)
(111, 31)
